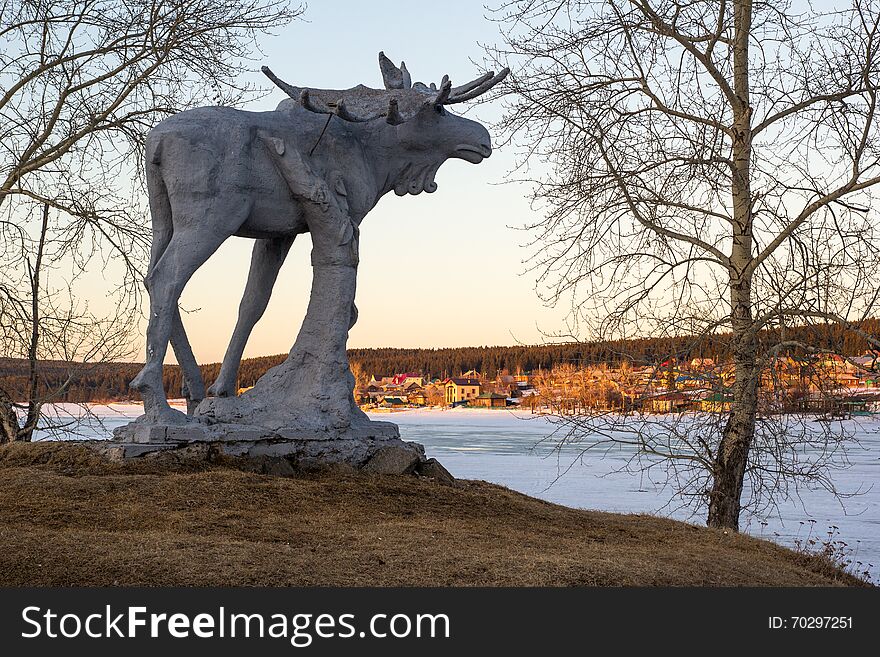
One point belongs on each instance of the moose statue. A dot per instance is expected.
(318, 163)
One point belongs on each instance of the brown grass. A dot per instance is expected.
(67, 518)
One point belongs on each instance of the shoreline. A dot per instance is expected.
(126, 407)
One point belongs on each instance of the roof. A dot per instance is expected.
(718, 397)
(668, 396)
(491, 395)
(400, 378)
(464, 382)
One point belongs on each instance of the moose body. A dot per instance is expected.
(215, 172)
(213, 153)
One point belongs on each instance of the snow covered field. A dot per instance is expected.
(503, 447)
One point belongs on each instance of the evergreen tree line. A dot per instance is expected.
(452, 361)
(109, 381)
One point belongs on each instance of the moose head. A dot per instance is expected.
(418, 121)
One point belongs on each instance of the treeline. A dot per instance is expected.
(59, 381)
(75, 382)
(109, 381)
(647, 351)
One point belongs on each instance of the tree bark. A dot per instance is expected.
(10, 430)
(736, 441)
(34, 405)
(8, 421)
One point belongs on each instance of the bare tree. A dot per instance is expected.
(709, 173)
(81, 82)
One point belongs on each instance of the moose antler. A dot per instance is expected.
(393, 77)
(476, 87)
(443, 94)
(399, 102)
(473, 84)
(290, 90)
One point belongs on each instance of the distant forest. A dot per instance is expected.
(109, 381)
(453, 361)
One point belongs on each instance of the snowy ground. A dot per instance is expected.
(505, 447)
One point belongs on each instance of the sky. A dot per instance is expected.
(441, 269)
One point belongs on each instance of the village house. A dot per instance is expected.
(866, 362)
(461, 390)
(391, 401)
(409, 379)
(392, 389)
(489, 400)
(413, 385)
(670, 386)
(515, 386)
(717, 402)
(667, 402)
(691, 380)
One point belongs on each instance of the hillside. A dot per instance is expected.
(69, 518)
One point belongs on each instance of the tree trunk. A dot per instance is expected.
(34, 407)
(8, 422)
(10, 431)
(736, 441)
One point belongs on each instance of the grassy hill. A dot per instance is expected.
(67, 518)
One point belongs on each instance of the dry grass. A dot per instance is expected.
(69, 518)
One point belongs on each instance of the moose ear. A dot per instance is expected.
(392, 76)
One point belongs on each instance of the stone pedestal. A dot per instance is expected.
(375, 447)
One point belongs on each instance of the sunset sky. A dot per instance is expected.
(442, 269)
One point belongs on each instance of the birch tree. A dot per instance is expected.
(704, 168)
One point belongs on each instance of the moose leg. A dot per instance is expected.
(186, 252)
(266, 260)
(193, 388)
(311, 392)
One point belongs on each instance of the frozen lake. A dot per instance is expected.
(505, 447)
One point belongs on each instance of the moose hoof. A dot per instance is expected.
(219, 389)
(148, 381)
(166, 415)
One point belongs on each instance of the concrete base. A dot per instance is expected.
(372, 447)
(195, 429)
